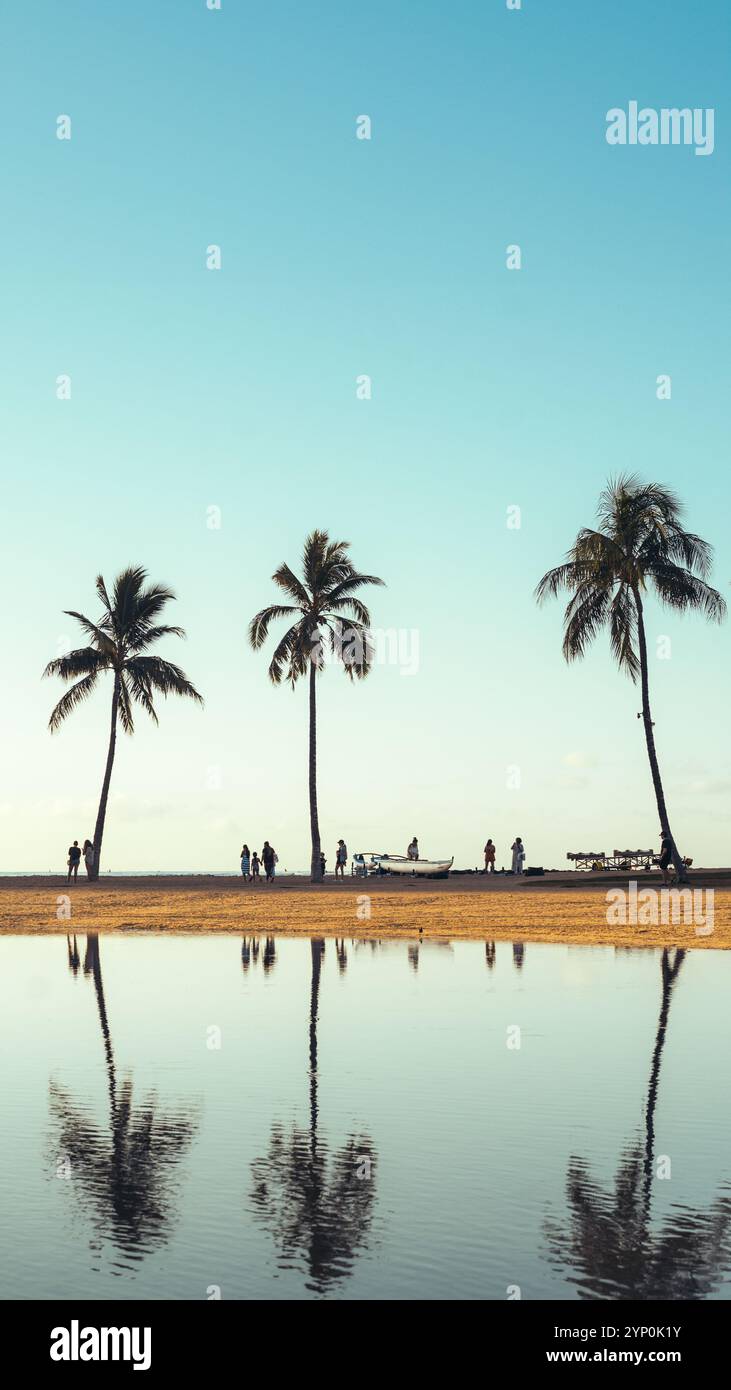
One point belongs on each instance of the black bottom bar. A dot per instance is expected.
(202, 1338)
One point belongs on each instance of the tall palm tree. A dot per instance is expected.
(640, 544)
(330, 620)
(120, 641)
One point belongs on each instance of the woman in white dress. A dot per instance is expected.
(518, 849)
(88, 857)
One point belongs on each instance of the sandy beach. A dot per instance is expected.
(563, 907)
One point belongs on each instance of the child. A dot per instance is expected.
(255, 867)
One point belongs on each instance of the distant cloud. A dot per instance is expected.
(579, 759)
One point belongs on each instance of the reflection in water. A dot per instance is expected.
(608, 1244)
(518, 954)
(251, 950)
(342, 956)
(122, 1171)
(317, 1204)
(490, 954)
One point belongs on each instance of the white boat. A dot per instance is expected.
(401, 864)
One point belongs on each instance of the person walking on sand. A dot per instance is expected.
(74, 859)
(518, 849)
(413, 850)
(341, 858)
(255, 867)
(245, 863)
(666, 856)
(268, 859)
(88, 858)
(489, 857)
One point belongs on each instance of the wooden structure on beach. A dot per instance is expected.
(618, 859)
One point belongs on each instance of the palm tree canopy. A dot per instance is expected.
(129, 625)
(639, 544)
(322, 604)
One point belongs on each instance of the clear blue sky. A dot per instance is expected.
(236, 388)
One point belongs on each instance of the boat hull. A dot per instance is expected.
(420, 868)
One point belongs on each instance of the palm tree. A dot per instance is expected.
(640, 544)
(127, 628)
(323, 600)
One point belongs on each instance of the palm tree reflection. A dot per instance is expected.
(316, 1203)
(609, 1246)
(124, 1169)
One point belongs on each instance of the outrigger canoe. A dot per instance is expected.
(401, 864)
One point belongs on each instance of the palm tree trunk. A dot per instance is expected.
(669, 975)
(102, 812)
(650, 740)
(315, 866)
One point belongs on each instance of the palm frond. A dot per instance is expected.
(286, 579)
(140, 691)
(678, 588)
(124, 711)
(623, 631)
(84, 661)
(161, 676)
(351, 604)
(346, 587)
(353, 646)
(287, 656)
(97, 631)
(259, 625)
(585, 614)
(565, 576)
(101, 589)
(72, 699)
(146, 636)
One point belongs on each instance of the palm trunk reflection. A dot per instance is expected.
(317, 1203)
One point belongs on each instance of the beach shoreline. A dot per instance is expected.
(568, 908)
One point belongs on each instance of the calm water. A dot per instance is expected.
(289, 1119)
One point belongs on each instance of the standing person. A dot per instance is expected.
(341, 858)
(88, 858)
(518, 849)
(245, 862)
(74, 860)
(413, 850)
(489, 857)
(268, 856)
(323, 862)
(255, 867)
(666, 856)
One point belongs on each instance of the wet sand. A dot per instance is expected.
(563, 907)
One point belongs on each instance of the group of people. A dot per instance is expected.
(74, 858)
(252, 864)
(518, 860)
